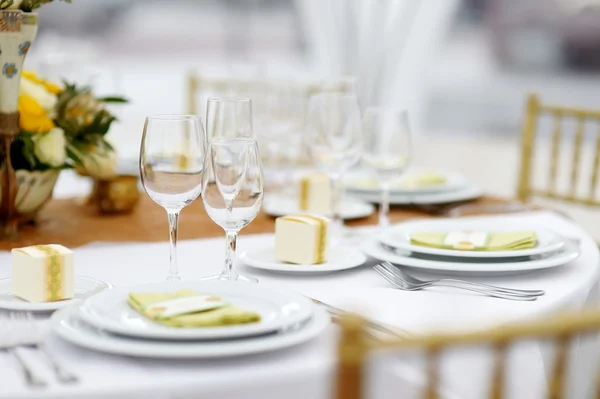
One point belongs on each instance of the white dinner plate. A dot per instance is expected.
(278, 309)
(339, 259)
(84, 287)
(377, 250)
(281, 205)
(398, 236)
(362, 182)
(466, 193)
(68, 325)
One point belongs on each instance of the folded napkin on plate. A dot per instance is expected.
(476, 241)
(189, 309)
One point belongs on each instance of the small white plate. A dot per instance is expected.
(67, 325)
(84, 287)
(278, 309)
(398, 236)
(339, 259)
(363, 182)
(281, 205)
(377, 250)
(466, 193)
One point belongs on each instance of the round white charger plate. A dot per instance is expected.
(279, 309)
(340, 258)
(377, 250)
(84, 287)
(363, 182)
(398, 236)
(68, 325)
(281, 205)
(466, 193)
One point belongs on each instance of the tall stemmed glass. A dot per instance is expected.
(172, 159)
(232, 191)
(334, 140)
(228, 117)
(387, 151)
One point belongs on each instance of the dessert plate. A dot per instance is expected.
(279, 309)
(84, 287)
(281, 205)
(377, 250)
(362, 182)
(339, 259)
(465, 193)
(398, 236)
(69, 326)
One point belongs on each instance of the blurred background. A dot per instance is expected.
(463, 68)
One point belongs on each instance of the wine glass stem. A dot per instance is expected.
(384, 207)
(229, 271)
(173, 224)
(336, 197)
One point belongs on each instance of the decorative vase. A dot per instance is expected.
(34, 190)
(17, 32)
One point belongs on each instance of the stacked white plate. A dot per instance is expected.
(394, 245)
(455, 188)
(106, 323)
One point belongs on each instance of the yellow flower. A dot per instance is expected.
(34, 118)
(51, 87)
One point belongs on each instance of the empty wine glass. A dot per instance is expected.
(334, 140)
(228, 117)
(172, 159)
(232, 191)
(387, 151)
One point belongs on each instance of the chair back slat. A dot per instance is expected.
(577, 156)
(557, 379)
(555, 156)
(595, 167)
(499, 372)
(354, 350)
(433, 372)
(535, 110)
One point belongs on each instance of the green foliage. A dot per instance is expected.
(31, 5)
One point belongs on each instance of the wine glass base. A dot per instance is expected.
(237, 277)
(173, 277)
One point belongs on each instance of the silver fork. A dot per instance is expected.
(10, 339)
(34, 340)
(404, 275)
(407, 286)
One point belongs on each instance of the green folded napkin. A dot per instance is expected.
(476, 241)
(410, 181)
(189, 309)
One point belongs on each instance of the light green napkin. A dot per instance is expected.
(476, 241)
(221, 316)
(410, 181)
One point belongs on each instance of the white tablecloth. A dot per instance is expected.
(304, 371)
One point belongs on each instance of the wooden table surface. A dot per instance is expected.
(67, 222)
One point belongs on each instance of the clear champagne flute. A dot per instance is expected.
(228, 117)
(232, 191)
(172, 159)
(334, 141)
(387, 151)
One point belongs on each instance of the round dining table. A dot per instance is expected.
(132, 249)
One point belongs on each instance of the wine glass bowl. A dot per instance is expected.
(387, 150)
(172, 163)
(232, 191)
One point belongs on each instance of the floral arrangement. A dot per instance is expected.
(62, 127)
(24, 5)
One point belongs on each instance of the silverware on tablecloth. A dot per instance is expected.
(402, 280)
(337, 313)
(22, 330)
(11, 334)
(62, 374)
(403, 274)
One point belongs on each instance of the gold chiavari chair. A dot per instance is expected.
(355, 347)
(535, 110)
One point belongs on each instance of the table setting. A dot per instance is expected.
(226, 281)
